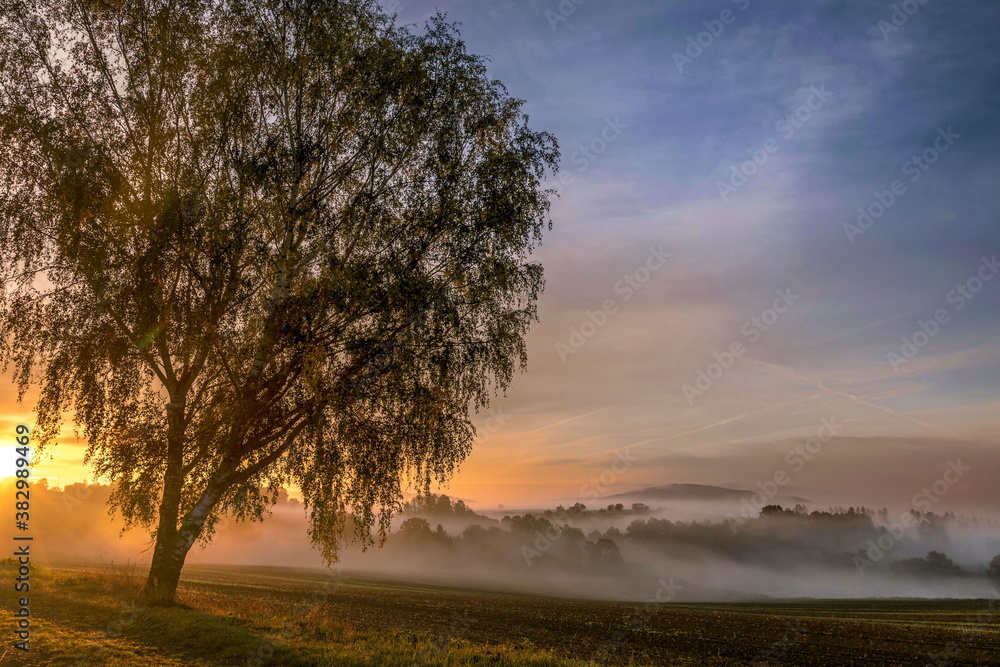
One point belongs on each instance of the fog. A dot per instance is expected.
(684, 550)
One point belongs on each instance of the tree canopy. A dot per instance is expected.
(257, 244)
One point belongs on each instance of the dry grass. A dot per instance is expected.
(89, 616)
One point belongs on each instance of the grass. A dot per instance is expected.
(89, 617)
(269, 616)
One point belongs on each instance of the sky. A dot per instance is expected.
(773, 253)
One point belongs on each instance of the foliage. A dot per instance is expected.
(934, 564)
(779, 537)
(993, 569)
(254, 244)
(441, 507)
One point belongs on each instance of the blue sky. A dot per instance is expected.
(872, 91)
(646, 145)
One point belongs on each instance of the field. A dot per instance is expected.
(268, 616)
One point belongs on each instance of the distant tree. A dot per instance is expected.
(254, 244)
(993, 569)
(572, 535)
(474, 533)
(415, 530)
(940, 561)
(640, 507)
(931, 526)
(528, 525)
(441, 536)
(934, 564)
(650, 530)
(603, 553)
(613, 533)
(439, 506)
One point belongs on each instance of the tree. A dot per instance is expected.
(415, 530)
(255, 244)
(993, 569)
(603, 553)
(934, 564)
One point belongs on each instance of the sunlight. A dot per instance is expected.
(8, 461)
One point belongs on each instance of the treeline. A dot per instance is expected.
(74, 523)
(842, 538)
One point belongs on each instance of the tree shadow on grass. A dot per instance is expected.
(193, 635)
(90, 632)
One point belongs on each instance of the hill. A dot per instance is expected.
(698, 493)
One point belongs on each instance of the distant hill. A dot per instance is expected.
(696, 492)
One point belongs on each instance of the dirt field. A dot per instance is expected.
(268, 616)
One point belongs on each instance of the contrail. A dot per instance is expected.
(743, 416)
(711, 426)
(542, 428)
(858, 329)
(778, 370)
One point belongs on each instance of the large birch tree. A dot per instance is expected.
(249, 244)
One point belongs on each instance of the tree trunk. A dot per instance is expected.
(172, 550)
(165, 572)
(168, 556)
